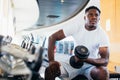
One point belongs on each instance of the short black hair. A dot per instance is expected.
(92, 7)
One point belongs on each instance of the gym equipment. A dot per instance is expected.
(23, 70)
(5, 40)
(80, 52)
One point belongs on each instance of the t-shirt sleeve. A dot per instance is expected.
(71, 28)
(104, 40)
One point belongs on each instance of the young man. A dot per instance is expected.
(90, 35)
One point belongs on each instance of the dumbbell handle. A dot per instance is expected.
(75, 64)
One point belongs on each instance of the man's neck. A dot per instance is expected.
(90, 28)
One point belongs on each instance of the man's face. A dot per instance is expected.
(92, 18)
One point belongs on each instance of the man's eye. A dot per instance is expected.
(96, 15)
(90, 14)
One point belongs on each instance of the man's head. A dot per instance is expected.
(92, 7)
(92, 17)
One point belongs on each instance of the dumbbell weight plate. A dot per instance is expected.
(81, 52)
(75, 64)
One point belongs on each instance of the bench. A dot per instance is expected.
(111, 75)
(114, 75)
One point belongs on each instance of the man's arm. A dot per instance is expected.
(52, 39)
(103, 60)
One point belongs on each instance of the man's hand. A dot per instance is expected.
(54, 62)
(52, 71)
(79, 60)
(55, 68)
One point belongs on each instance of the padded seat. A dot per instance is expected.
(112, 75)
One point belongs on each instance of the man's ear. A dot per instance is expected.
(84, 18)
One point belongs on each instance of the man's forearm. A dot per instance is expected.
(97, 62)
(51, 49)
(52, 39)
(51, 55)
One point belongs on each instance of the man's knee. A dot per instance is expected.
(100, 73)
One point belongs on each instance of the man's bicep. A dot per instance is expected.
(104, 52)
(59, 35)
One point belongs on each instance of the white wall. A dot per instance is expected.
(6, 18)
(26, 13)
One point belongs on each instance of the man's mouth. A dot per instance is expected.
(93, 22)
(91, 27)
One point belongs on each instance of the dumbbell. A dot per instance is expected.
(4, 40)
(1, 38)
(81, 52)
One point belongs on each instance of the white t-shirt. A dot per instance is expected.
(91, 39)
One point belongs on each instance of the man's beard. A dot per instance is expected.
(91, 27)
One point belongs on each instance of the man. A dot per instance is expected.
(90, 35)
